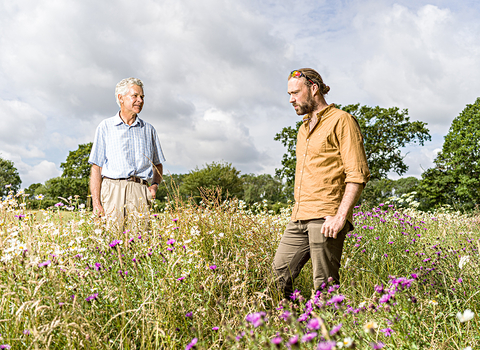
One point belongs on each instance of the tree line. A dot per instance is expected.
(454, 179)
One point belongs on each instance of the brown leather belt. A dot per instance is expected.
(131, 178)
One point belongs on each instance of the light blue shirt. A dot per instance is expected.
(123, 150)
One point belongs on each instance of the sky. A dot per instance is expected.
(215, 72)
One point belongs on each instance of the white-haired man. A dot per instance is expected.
(126, 157)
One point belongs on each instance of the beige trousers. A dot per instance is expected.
(122, 199)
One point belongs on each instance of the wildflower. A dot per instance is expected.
(347, 343)
(213, 267)
(5, 346)
(337, 299)
(293, 340)
(378, 345)
(92, 297)
(115, 242)
(59, 204)
(369, 327)
(335, 329)
(314, 323)
(295, 295)
(46, 263)
(433, 302)
(327, 345)
(98, 266)
(276, 341)
(468, 348)
(189, 314)
(387, 331)
(180, 279)
(214, 328)
(171, 241)
(26, 332)
(466, 316)
(192, 344)
(460, 280)
(463, 260)
(240, 336)
(256, 319)
(285, 315)
(308, 337)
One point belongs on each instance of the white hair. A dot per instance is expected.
(122, 87)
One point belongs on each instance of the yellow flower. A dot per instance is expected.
(369, 327)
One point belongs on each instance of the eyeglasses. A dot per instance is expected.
(298, 74)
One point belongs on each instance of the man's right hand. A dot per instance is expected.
(98, 210)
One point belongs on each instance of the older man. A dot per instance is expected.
(126, 157)
(331, 172)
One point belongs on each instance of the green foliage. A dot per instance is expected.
(211, 176)
(62, 187)
(8, 176)
(385, 131)
(76, 166)
(170, 186)
(380, 190)
(262, 187)
(455, 179)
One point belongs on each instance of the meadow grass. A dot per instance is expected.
(200, 276)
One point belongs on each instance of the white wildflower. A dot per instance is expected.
(466, 316)
(463, 260)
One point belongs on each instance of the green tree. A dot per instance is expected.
(8, 177)
(385, 131)
(212, 176)
(76, 165)
(170, 186)
(260, 187)
(455, 178)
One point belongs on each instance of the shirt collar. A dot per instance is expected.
(320, 114)
(118, 121)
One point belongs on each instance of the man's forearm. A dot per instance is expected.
(157, 173)
(95, 184)
(350, 197)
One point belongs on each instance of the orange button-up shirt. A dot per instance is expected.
(328, 157)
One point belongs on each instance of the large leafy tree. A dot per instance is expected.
(213, 176)
(76, 165)
(455, 178)
(385, 131)
(8, 177)
(262, 187)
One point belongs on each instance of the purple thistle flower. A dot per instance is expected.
(171, 241)
(192, 344)
(303, 317)
(285, 315)
(378, 345)
(308, 337)
(214, 328)
(295, 294)
(256, 319)
(114, 243)
(5, 346)
(180, 279)
(336, 329)
(26, 332)
(98, 266)
(240, 336)
(293, 340)
(314, 324)
(277, 340)
(46, 263)
(387, 331)
(212, 267)
(92, 297)
(337, 299)
(327, 345)
(189, 314)
(175, 220)
(59, 204)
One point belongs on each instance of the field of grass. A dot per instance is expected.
(200, 277)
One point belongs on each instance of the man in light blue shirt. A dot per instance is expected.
(126, 157)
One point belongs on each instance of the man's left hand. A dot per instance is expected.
(153, 190)
(332, 226)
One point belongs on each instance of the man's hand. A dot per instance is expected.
(98, 210)
(153, 190)
(332, 226)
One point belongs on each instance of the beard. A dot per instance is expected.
(307, 107)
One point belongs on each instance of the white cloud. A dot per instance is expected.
(39, 173)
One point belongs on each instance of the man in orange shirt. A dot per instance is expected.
(331, 172)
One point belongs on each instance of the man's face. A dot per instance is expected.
(301, 96)
(132, 101)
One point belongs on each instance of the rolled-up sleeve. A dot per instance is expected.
(352, 151)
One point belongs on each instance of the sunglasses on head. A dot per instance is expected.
(298, 74)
